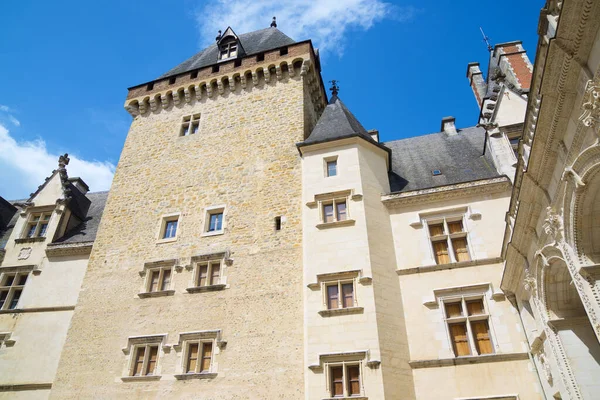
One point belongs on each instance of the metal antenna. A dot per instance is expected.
(487, 41)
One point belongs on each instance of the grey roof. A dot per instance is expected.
(87, 229)
(459, 158)
(252, 42)
(8, 218)
(336, 122)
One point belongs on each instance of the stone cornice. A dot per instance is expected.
(442, 267)
(68, 249)
(18, 387)
(466, 360)
(484, 186)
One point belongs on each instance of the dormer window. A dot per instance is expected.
(37, 225)
(228, 49)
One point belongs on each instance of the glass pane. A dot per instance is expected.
(8, 280)
(341, 210)
(166, 279)
(15, 299)
(436, 229)
(461, 253)
(455, 227)
(186, 130)
(46, 217)
(337, 381)
(195, 128)
(331, 168)
(138, 361)
(170, 229)
(152, 360)
(475, 307)
(43, 228)
(328, 212)
(36, 218)
(453, 310)
(216, 222)
(203, 275)
(192, 357)
(214, 273)
(206, 357)
(154, 281)
(353, 380)
(481, 331)
(440, 249)
(3, 295)
(348, 293)
(460, 343)
(233, 53)
(31, 231)
(22, 279)
(332, 297)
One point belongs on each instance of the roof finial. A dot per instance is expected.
(274, 23)
(334, 87)
(63, 161)
(218, 36)
(487, 41)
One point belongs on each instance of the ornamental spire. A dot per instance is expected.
(274, 23)
(334, 87)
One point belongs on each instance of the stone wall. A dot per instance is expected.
(244, 157)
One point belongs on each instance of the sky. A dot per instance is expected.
(65, 66)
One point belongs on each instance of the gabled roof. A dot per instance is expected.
(86, 231)
(458, 157)
(252, 42)
(8, 218)
(336, 122)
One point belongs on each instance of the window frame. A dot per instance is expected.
(209, 272)
(339, 283)
(345, 381)
(467, 319)
(335, 216)
(186, 355)
(12, 288)
(134, 351)
(227, 47)
(30, 223)
(448, 237)
(326, 162)
(208, 213)
(161, 270)
(164, 220)
(188, 123)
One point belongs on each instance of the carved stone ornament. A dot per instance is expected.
(545, 364)
(529, 283)
(590, 116)
(24, 253)
(553, 224)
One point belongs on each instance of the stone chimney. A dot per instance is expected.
(79, 184)
(476, 81)
(448, 126)
(512, 60)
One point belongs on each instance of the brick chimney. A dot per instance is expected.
(476, 81)
(514, 64)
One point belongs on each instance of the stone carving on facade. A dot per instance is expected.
(553, 224)
(529, 282)
(591, 107)
(545, 364)
(24, 253)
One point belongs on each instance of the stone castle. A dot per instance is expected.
(259, 243)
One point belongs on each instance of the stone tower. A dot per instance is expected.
(195, 280)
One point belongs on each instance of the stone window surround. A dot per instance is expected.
(343, 195)
(324, 280)
(327, 160)
(466, 318)
(188, 122)
(28, 214)
(208, 211)
(500, 397)
(445, 218)
(133, 343)
(162, 226)
(198, 260)
(181, 347)
(18, 271)
(146, 273)
(484, 291)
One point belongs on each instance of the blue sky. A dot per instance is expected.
(66, 66)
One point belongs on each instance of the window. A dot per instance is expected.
(331, 168)
(449, 240)
(11, 287)
(194, 74)
(468, 326)
(208, 273)
(37, 224)
(215, 68)
(170, 229)
(150, 86)
(340, 295)
(237, 63)
(277, 223)
(334, 211)
(344, 380)
(199, 357)
(283, 51)
(159, 279)
(190, 125)
(260, 57)
(215, 221)
(145, 358)
(228, 50)
(172, 80)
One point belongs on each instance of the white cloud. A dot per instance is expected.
(7, 113)
(324, 21)
(24, 165)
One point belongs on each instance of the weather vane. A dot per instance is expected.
(486, 40)
(334, 87)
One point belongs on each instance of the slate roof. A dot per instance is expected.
(8, 218)
(336, 122)
(459, 158)
(86, 231)
(252, 42)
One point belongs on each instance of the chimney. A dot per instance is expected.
(448, 126)
(374, 133)
(512, 60)
(79, 184)
(476, 81)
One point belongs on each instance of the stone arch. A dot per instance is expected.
(561, 298)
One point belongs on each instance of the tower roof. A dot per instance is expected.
(336, 122)
(252, 43)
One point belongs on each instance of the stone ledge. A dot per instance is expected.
(341, 311)
(441, 267)
(68, 249)
(347, 398)
(25, 386)
(140, 378)
(464, 360)
(209, 288)
(37, 309)
(335, 224)
(161, 293)
(30, 240)
(183, 377)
